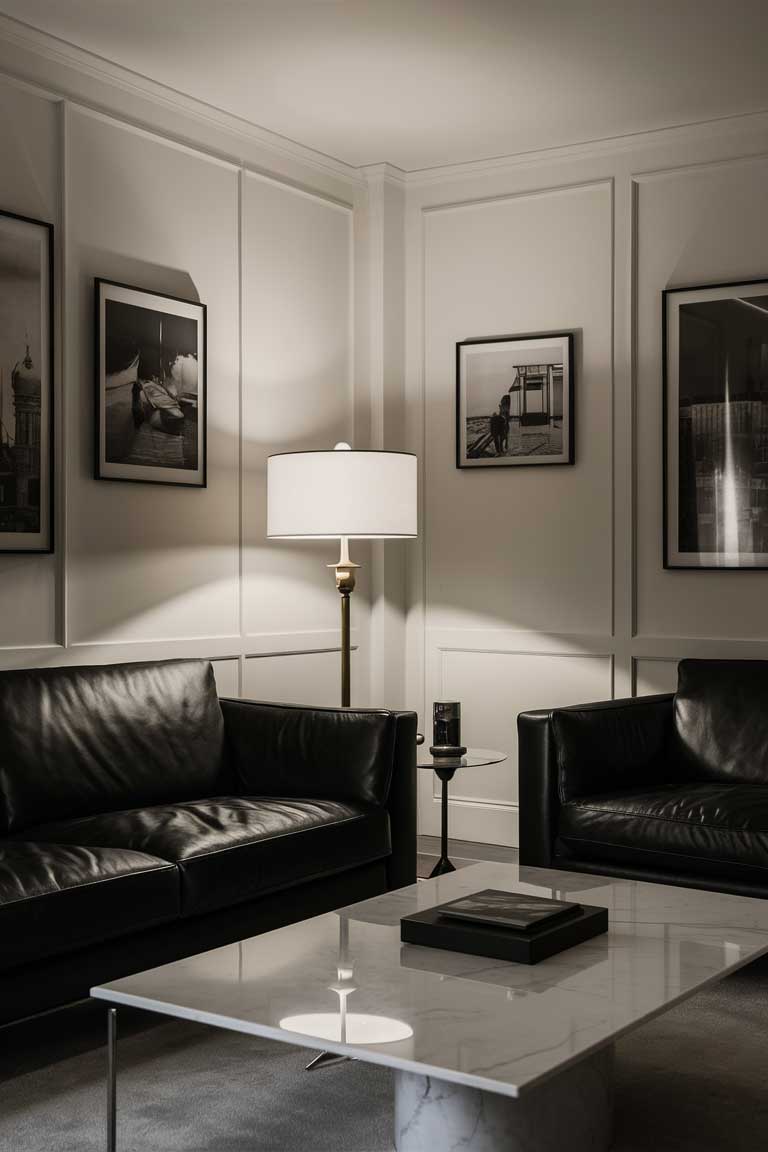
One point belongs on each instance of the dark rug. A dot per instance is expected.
(694, 1079)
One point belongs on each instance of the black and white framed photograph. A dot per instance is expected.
(26, 384)
(150, 387)
(514, 401)
(715, 357)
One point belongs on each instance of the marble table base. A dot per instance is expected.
(570, 1112)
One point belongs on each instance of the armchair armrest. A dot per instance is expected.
(583, 750)
(361, 754)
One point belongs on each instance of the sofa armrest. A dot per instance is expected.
(583, 750)
(402, 803)
(537, 787)
(361, 754)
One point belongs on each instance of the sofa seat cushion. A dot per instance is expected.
(57, 897)
(233, 848)
(724, 825)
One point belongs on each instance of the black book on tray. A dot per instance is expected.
(504, 926)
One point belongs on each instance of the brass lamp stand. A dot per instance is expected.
(345, 583)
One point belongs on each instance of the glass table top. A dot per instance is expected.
(473, 758)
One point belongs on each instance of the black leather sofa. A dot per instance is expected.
(672, 788)
(143, 819)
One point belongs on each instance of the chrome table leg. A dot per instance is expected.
(112, 1080)
(323, 1059)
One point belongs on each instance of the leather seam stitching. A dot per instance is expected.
(280, 836)
(271, 890)
(669, 820)
(167, 866)
(665, 851)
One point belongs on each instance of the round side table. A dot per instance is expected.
(444, 768)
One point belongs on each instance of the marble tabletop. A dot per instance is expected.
(344, 982)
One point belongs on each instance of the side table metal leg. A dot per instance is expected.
(443, 865)
(112, 1080)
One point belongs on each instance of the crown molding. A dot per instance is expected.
(98, 68)
(609, 146)
(384, 173)
(64, 53)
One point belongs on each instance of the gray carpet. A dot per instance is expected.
(694, 1079)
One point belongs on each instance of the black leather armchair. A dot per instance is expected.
(670, 788)
(142, 819)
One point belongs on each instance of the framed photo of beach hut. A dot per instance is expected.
(715, 401)
(150, 387)
(514, 401)
(26, 384)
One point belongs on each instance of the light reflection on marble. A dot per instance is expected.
(479, 1022)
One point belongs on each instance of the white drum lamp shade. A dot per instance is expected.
(342, 495)
(328, 495)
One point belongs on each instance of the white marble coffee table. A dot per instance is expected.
(487, 1055)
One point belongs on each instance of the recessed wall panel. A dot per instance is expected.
(494, 687)
(655, 675)
(696, 226)
(312, 678)
(297, 389)
(29, 148)
(524, 548)
(227, 677)
(149, 561)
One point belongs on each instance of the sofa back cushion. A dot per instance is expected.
(76, 741)
(283, 750)
(721, 720)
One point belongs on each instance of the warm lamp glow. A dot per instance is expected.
(342, 495)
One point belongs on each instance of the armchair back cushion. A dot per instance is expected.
(721, 720)
(611, 745)
(283, 750)
(77, 741)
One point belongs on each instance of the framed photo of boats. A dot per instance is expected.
(150, 387)
(515, 401)
(26, 384)
(715, 400)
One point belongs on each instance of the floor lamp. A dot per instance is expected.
(344, 495)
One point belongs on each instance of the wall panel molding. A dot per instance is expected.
(477, 810)
(642, 660)
(695, 221)
(339, 193)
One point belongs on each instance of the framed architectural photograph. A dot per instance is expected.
(715, 398)
(26, 384)
(150, 387)
(514, 401)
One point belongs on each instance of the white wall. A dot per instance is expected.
(544, 586)
(161, 198)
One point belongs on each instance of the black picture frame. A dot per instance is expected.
(694, 379)
(550, 424)
(39, 434)
(165, 455)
